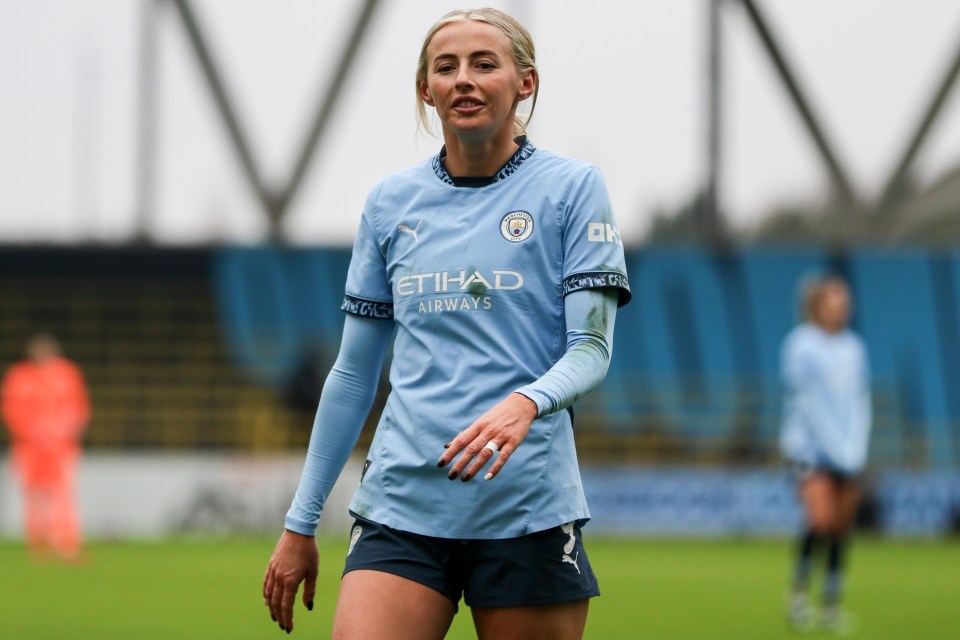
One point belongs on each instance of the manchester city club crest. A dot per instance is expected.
(516, 226)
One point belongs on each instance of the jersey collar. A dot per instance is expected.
(524, 151)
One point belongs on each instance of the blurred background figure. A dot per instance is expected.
(825, 431)
(46, 409)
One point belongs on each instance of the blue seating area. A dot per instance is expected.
(696, 356)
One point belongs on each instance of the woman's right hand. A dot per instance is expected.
(295, 559)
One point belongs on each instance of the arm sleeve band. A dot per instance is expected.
(348, 394)
(590, 316)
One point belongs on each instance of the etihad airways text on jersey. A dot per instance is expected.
(444, 281)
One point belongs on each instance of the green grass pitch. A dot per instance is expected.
(652, 589)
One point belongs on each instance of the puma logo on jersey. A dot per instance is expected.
(568, 547)
(405, 229)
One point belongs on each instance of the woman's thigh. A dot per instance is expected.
(848, 500)
(373, 605)
(565, 621)
(818, 492)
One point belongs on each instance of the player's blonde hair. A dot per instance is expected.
(524, 57)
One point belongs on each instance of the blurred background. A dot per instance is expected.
(181, 180)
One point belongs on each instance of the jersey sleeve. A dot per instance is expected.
(590, 316)
(16, 410)
(345, 401)
(368, 292)
(76, 403)
(592, 247)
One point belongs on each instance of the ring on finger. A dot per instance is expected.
(493, 446)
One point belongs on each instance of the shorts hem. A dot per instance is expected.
(533, 602)
(803, 471)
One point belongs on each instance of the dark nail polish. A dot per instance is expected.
(310, 606)
(452, 475)
(466, 477)
(273, 617)
(441, 464)
(447, 446)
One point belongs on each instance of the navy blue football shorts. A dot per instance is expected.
(546, 567)
(802, 471)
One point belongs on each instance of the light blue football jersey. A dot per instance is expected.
(474, 279)
(827, 413)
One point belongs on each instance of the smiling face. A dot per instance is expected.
(472, 81)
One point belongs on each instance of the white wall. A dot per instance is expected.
(139, 495)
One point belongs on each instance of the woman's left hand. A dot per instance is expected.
(501, 429)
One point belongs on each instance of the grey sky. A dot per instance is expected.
(622, 86)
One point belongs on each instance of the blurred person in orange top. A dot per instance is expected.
(46, 408)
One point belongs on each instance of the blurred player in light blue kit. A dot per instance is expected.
(825, 433)
(497, 269)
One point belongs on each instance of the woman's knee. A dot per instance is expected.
(823, 524)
